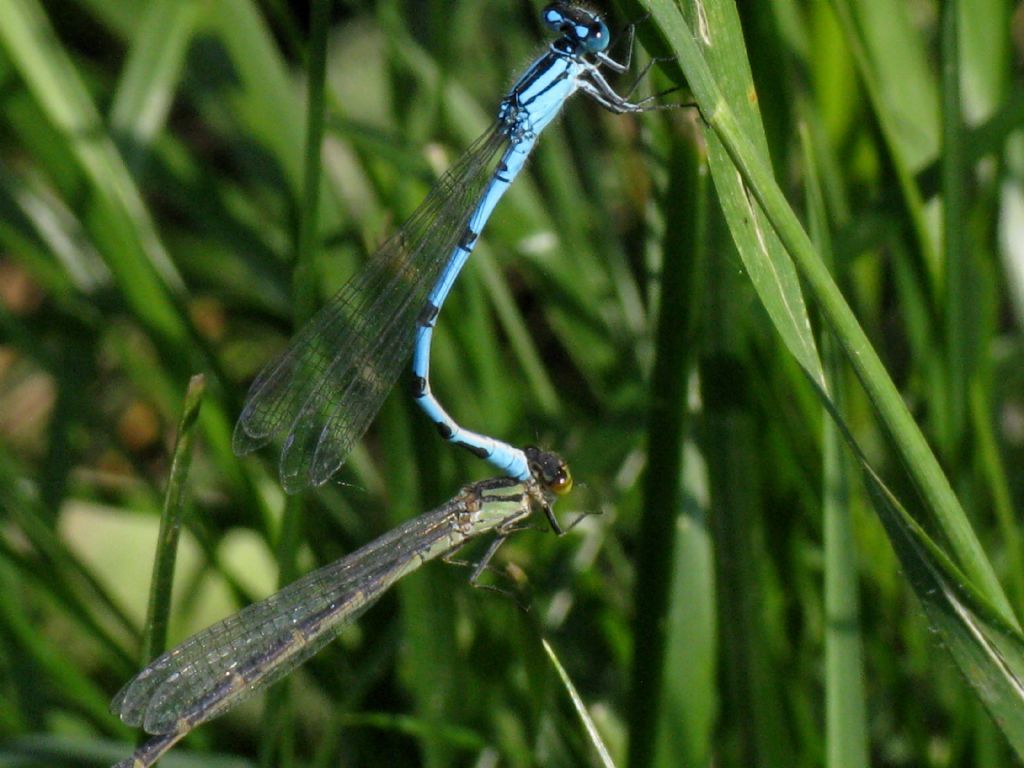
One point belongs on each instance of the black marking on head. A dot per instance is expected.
(582, 31)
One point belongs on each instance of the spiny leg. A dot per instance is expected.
(597, 88)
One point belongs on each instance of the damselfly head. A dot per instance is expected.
(549, 469)
(584, 28)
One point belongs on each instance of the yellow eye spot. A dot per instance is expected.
(561, 483)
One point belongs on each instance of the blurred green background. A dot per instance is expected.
(743, 598)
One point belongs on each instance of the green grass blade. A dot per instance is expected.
(989, 652)
(689, 707)
(684, 250)
(845, 699)
(54, 558)
(917, 455)
(890, 62)
(768, 265)
(305, 282)
(962, 298)
(129, 241)
(994, 469)
(161, 587)
(580, 707)
(151, 76)
(49, 661)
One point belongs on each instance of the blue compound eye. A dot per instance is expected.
(594, 36)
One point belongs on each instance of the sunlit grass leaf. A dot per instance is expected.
(728, 125)
(989, 653)
(907, 436)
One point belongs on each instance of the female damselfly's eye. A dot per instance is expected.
(561, 483)
(549, 469)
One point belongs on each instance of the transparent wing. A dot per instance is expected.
(327, 386)
(229, 661)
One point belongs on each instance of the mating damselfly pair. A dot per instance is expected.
(327, 386)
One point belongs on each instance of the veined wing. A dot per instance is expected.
(326, 387)
(229, 661)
